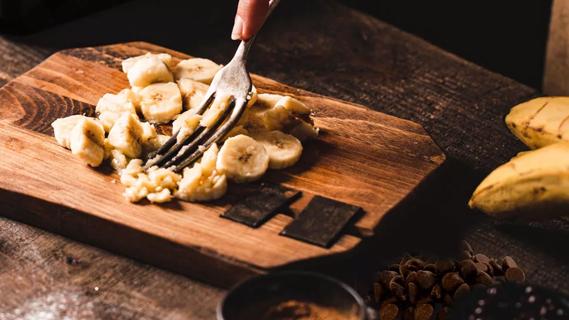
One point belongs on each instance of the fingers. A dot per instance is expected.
(249, 18)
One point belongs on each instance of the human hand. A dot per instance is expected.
(249, 19)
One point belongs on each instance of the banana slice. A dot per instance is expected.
(118, 160)
(284, 150)
(203, 182)
(293, 105)
(193, 92)
(198, 69)
(242, 159)
(304, 131)
(62, 128)
(87, 141)
(149, 68)
(111, 106)
(160, 102)
(214, 112)
(185, 124)
(126, 135)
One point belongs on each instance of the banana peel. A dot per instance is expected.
(533, 182)
(541, 121)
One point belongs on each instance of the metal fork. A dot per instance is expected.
(232, 80)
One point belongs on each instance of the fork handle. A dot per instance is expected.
(244, 47)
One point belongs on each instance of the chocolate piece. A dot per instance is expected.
(515, 274)
(451, 281)
(444, 266)
(485, 279)
(461, 291)
(426, 279)
(388, 311)
(509, 262)
(482, 258)
(384, 277)
(467, 268)
(424, 312)
(412, 292)
(321, 222)
(260, 206)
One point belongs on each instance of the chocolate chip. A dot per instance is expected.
(482, 258)
(411, 277)
(412, 292)
(461, 291)
(388, 311)
(481, 267)
(468, 268)
(430, 267)
(485, 279)
(515, 274)
(496, 267)
(444, 266)
(426, 279)
(424, 312)
(384, 277)
(451, 281)
(398, 290)
(508, 262)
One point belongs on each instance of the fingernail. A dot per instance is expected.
(237, 28)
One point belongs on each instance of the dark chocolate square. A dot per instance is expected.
(321, 222)
(255, 209)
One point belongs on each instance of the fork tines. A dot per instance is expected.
(180, 154)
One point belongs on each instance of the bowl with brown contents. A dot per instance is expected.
(292, 295)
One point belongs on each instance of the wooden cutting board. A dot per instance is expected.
(364, 158)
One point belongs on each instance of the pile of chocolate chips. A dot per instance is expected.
(421, 288)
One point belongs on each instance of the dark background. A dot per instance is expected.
(505, 36)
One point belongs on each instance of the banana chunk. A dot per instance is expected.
(533, 183)
(185, 124)
(147, 69)
(111, 106)
(540, 121)
(160, 102)
(62, 128)
(293, 105)
(242, 159)
(87, 141)
(203, 182)
(197, 69)
(127, 135)
(267, 114)
(284, 150)
(193, 92)
(304, 131)
(216, 110)
(158, 185)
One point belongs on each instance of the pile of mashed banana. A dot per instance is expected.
(268, 136)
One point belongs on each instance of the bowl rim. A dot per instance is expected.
(356, 296)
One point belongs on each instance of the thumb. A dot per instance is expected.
(250, 16)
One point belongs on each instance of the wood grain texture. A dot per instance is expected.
(363, 158)
(461, 106)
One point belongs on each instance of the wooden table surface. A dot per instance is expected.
(328, 49)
